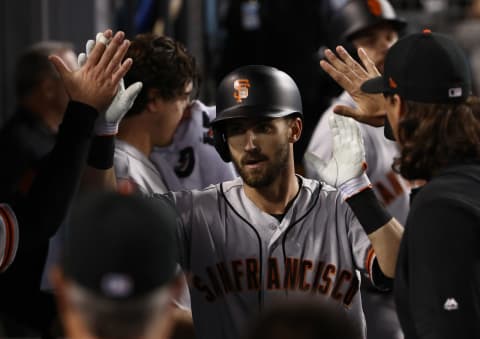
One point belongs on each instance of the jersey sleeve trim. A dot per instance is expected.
(9, 221)
(369, 260)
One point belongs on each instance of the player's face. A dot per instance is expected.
(376, 42)
(259, 148)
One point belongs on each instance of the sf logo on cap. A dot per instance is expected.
(240, 91)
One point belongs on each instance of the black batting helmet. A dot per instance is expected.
(250, 92)
(358, 15)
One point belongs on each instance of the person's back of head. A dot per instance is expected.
(118, 272)
(38, 85)
(303, 320)
(163, 65)
(33, 65)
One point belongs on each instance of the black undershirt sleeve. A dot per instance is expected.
(442, 269)
(46, 205)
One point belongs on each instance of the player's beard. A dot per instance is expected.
(266, 175)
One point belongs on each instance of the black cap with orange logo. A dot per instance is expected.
(424, 67)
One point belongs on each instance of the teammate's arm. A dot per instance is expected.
(90, 89)
(384, 231)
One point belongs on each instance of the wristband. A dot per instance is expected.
(353, 186)
(369, 211)
(101, 152)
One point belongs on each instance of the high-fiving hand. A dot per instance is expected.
(346, 169)
(108, 121)
(97, 81)
(349, 74)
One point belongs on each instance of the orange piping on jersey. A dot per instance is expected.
(10, 236)
(369, 261)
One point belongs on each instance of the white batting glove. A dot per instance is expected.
(346, 168)
(107, 123)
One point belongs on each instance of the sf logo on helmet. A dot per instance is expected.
(240, 91)
(374, 7)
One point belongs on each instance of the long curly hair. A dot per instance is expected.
(433, 136)
(161, 63)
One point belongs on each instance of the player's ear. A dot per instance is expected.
(295, 129)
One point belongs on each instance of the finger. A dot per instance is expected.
(118, 57)
(108, 33)
(97, 52)
(82, 59)
(89, 47)
(343, 128)
(317, 162)
(368, 63)
(339, 77)
(102, 39)
(112, 48)
(351, 63)
(60, 66)
(346, 111)
(122, 70)
(132, 91)
(336, 62)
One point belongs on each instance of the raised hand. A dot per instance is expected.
(346, 168)
(97, 80)
(107, 123)
(349, 74)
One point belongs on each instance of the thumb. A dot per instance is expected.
(317, 163)
(346, 111)
(132, 92)
(60, 66)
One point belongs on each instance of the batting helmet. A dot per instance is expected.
(358, 15)
(250, 92)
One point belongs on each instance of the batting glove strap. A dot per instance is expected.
(354, 186)
(105, 128)
(369, 211)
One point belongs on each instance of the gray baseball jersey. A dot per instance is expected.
(390, 188)
(131, 164)
(243, 259)
(190, 161)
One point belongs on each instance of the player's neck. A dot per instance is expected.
(275, 198)
(134, 133)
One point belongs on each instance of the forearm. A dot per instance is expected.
(386, 243)
(384, 232)
(55, 185)
(99, 174)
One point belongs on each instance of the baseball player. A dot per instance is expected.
(158, 118)
(191, 161)
(425, 92)
(270, 233)
(374, 26)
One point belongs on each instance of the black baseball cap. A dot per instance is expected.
(121, 246)
(424, 67)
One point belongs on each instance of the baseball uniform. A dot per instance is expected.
(191, 161)
(243, 259)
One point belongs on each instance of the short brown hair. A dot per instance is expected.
(161, 63)
(433, 136)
